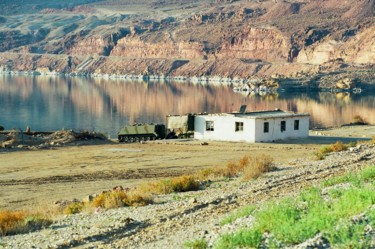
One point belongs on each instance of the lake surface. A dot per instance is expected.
(51, 103)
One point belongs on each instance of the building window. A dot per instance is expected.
(239, 126)
(266, 127)
(296, 125)
(283, 126)
(209, 125)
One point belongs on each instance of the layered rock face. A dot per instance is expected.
(134, 47)
(359, 49)
(267, 44)
(223, 39)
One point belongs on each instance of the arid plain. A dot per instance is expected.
(35, 178)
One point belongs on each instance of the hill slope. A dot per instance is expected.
(189, 38)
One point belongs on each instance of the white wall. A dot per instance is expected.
(224, 128)
(253, 130)
(275, 132)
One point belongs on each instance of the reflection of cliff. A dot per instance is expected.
(106, 100)
(148, 102)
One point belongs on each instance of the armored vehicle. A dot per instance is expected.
(141, 132)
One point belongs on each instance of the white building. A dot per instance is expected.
(263, 126)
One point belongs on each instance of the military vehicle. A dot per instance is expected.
(141, 132)
(180, 126)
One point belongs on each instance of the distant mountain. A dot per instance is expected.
(223, 38)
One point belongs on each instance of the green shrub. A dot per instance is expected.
(196, 244)
(242, 212)
(1, 128)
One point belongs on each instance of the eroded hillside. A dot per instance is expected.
(295, 38)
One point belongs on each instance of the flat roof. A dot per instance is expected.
(262, 114)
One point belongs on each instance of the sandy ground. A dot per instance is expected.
(41, 177)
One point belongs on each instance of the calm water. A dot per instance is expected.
(52, 103)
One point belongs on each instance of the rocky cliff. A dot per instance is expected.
(234, 39)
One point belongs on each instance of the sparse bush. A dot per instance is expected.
(35, 222)
(336, 147)
(11, 222)
(206, 173)
(182, 183)
(110, 199)
(319, 155)
(74, 208)
(138, 198)
(257, 166)
(250, 167)
(232, 169)
(373, 140)
(120, 198)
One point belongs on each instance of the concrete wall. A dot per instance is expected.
(275, 132)
(224, 128)
(253, 129)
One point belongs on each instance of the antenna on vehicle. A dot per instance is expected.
(243, 108)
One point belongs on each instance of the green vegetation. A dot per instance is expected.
(242, 212)
(294, 220)
(1, 128)
(196, 244)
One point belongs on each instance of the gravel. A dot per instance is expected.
(178, 218)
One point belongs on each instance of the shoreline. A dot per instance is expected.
(235, 82)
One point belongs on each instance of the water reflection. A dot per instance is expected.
(50, 103)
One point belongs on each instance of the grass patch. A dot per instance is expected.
(336, 147)
(182, 183)
(14, 222)
(294, 220)
(196, 244)
(256, 166)
(120, 198)
(242, 212)
(248, 167)
(74, 208)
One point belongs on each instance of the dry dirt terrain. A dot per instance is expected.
(176, 218)
(35, 177)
